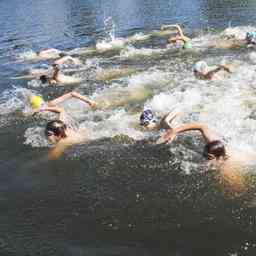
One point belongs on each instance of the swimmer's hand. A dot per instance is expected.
(93, 104)
(167, 137)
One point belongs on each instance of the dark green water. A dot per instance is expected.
(118, 196)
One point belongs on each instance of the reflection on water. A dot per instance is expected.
(119, 194)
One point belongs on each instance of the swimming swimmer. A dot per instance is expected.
(180, 37)
(57, 131)
(58, 78)
(231, 42)
(229, 162)
(214, 146)
(203, 71)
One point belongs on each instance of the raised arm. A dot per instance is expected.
(56, 71)
(193, 126)
(171, 116)
(211, 73)
(179, 30)
(69, 96)
(57, 110)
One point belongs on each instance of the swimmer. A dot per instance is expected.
(229, 162)
(57, 131)
(150, 123)
(214, 146)
(203, 71)
(58, 78)
(231, 42)
(180, 37)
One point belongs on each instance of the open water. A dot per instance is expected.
(116, 194)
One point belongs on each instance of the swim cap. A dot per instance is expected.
(146, 117)
(200, 66)
(187, 45)
(251, 37)
(36, 101)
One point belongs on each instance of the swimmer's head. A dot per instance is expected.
(250, 37)
(55, 130)
(44, 79)
(36, 101)
(215, 149)
(200, 67)
(147, 118)
(55, 66)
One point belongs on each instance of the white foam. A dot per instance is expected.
(34, 136)
(106, 45)
(131, 52)
(27, 55)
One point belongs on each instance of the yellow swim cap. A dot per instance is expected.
(36, 101)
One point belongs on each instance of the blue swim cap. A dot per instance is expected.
(251, 36)
(147, 117)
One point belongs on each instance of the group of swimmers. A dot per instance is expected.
(59, 133)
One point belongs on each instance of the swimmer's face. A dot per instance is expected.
(52, 138)
(198, 74)
(150, 125)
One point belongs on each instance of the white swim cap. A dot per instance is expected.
(200, 66)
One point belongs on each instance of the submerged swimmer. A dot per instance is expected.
(59, 78)
(179, 38)
(203, 71)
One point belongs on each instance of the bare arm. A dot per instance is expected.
(69, 96)
(55, 72)
(57, 110)
(211, 73)
(173, 26)
(171, 116)
(193, 126)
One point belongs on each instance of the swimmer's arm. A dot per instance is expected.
(69, 96)
(91, 103)
(57, 110)
(56, 71)
(180, 32)
(62, 60)
(171, 116)
(211, 73)
(170, 135)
